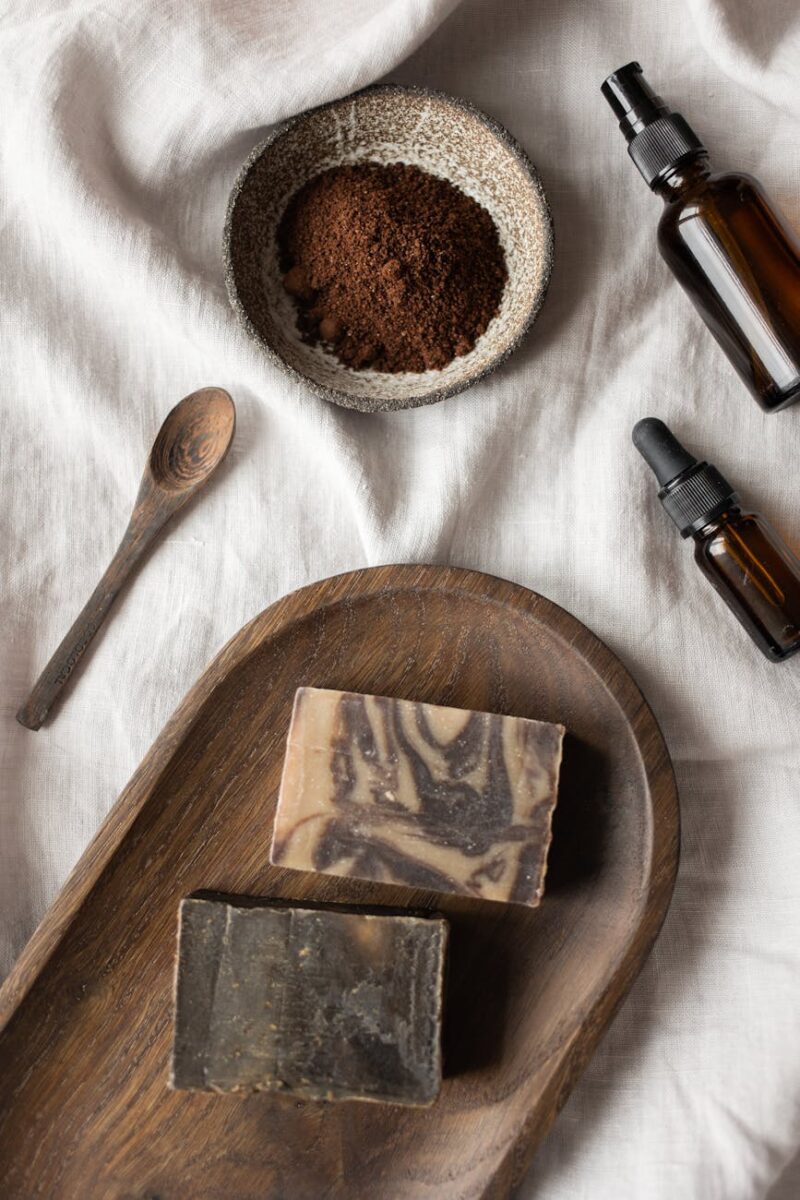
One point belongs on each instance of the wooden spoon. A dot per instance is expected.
(191, 444)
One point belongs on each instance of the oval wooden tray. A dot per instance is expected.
(86, 1014)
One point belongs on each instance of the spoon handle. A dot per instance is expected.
(56, 674)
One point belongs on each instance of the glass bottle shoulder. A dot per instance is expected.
(732, 528)
(710, 198)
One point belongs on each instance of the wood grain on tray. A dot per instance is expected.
(86, 1015)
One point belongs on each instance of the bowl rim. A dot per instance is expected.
(433, 395)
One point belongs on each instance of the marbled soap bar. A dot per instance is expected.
(417, 794)
(325, 1003)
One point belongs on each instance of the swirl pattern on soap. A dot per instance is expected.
(429, 797)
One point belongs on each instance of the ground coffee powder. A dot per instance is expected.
(393, 268)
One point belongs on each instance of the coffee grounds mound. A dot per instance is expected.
(392, 268)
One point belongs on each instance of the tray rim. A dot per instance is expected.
(365, 583)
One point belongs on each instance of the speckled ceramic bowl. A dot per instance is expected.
(386, 124)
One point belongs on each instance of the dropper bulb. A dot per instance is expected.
(661, 450)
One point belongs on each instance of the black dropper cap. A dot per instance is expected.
(693, 493)
(657, 138)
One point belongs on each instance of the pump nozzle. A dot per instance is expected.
(657, 137)
(632, 100)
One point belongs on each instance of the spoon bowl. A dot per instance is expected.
(193, 440)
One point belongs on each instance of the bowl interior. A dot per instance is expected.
(387, 125)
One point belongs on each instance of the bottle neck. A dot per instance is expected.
(682, 176)
(724, 518)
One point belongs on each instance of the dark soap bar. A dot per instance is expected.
(325, 1003)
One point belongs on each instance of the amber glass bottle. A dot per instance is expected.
(729, 247)
(740, 553)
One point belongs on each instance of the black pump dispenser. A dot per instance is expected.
(693, 493)
(657, 138)
(632, 100)
(729, 247)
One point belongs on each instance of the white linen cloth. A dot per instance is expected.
(123, 126)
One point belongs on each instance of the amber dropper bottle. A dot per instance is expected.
(756, 575)
(729, 246)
